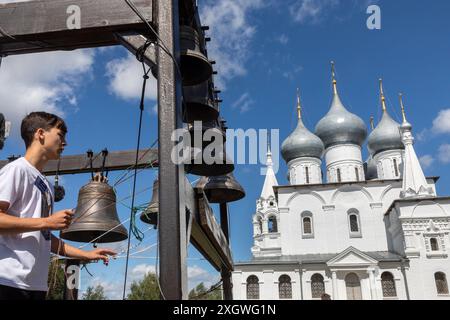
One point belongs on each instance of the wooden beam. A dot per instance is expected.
(213, 231)
(118, 160)
(133, 42)
(42, 25)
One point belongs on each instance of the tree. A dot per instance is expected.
(96, 293)
(201, 293)
(146, 289)
(56, 280)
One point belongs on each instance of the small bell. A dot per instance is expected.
(96, 219)
(221, 189)
(150, 214)
(195, 67)
(58, 190)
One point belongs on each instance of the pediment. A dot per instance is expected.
(351, 257)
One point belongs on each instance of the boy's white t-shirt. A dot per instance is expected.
(25, 258)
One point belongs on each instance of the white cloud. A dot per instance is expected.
(142, 269)
(310, 11)
(42, 82)
(442, 122)
(426, 161)
(231, 35)
(196, 275)
(283, 39)
(444, 153)
(125, 76)
(243, 103)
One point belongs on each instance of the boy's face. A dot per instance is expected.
(53, 141)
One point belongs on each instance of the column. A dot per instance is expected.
(335, 288)
(372, 284)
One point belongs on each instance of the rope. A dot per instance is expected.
(133, 213)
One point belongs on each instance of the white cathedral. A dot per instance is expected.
(374, 230)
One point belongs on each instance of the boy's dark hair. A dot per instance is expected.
(40, 120)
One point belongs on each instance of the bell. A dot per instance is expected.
(95, 218)
(199, 103)
(199, 167)
(221, 189)
(195, 67)
(199, 130)
(58, 190)
(150, 214)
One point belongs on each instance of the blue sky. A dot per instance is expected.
(264, 51)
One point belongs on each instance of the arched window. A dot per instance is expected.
(353, 286)
(307, 226)
(441, 283)
(434, 244)
(285, 287)
(252, 287)
(396, 171)
(317, 286)
(339, 177)
(273, 227)
(354, 224)
(357, 173)
(388, 285)
(307, 174)
(260, 226)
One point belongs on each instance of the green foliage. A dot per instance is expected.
(201, 293)
(146, 289)
(96, 293)
(56, 280)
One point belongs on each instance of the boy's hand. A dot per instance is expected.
(99, 254)
(59, 220)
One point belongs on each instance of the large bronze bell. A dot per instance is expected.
(221, 189)
(150, 214)
(96, 219)
(195, 67)
(200, 104)
(199, 130)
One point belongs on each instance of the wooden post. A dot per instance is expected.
(172, 218)
(225, 272)
(71, 279)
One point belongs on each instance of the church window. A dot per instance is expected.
(396, 171)
(307, 174)
(357, 174)
(317, 286)
(354, 225)
(339, 177)
(434, 244)
(441, 283)
(273, 227)
(388, 285)
(285, 287)
(307, 228)
(252, 287)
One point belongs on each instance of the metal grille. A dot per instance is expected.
(307, 226)
(354, 223)
(441, 283)
(285, 287)
(388, 285)
(317, 286)
(252, 287)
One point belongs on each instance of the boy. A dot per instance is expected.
(26, 219)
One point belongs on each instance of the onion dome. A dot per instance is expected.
(386, 136)
(339, 126)
(370, 169)
(301, 142)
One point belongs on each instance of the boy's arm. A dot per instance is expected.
(59, 247)
(13, 225)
